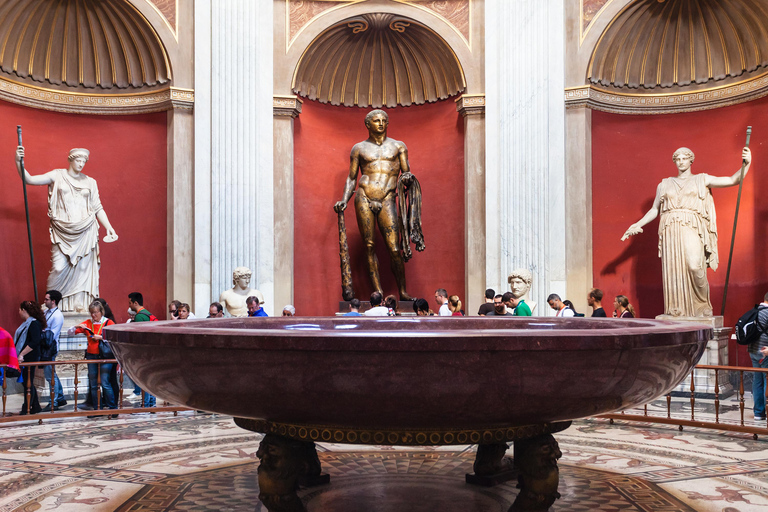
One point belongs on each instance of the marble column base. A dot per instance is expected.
(716, 353)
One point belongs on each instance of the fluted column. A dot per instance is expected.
(525, 170)
(233, 156)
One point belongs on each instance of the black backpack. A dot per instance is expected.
(748, 328)
(48, 348)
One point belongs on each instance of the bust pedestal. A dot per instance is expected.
(715, 354)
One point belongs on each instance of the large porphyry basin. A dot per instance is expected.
(409, 373)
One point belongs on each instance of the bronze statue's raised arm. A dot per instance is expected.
(349, 185)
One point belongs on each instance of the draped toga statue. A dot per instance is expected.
(380, 160)
(75, 211)
(687, 234)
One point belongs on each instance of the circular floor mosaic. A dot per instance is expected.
(206, 463)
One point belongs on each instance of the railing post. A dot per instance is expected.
(97, 405)
(693, 395)
(669, 405)
(120, 387)
(53, 388)
(27, 391)
(5, 380)
(717, 397)
(741, 395)
(77, 381)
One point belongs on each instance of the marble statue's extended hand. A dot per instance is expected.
(633, 230)
(746, 155)
(340, 206)
(19, 153)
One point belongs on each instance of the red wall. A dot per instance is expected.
(631, 155)
(324, 136)
(128, 161)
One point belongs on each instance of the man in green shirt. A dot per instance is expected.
(136, 303)
(521, 308)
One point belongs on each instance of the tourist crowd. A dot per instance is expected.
(37, 338)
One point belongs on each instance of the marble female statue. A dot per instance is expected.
(687, 234)
(75, 211)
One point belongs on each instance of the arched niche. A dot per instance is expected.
(470, 56)
(465, 103)
(651, 56)
(111, 57)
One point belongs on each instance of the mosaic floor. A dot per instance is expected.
(197, 462)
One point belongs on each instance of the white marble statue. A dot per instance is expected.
(520, 281)
(75, 211)
(687, 234)
(234, 298)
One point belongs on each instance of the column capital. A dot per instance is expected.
(577, 97)
(182, 98)
(286, 106)
(470, 104)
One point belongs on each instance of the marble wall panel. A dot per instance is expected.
(525, 141)
(233, 133)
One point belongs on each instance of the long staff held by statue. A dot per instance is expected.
(735, 221)
(26, 209)
(347, 292)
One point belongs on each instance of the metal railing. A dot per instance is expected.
(54, 413)
(645, 417)
(717, 424)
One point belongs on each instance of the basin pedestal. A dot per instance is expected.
(289, 458)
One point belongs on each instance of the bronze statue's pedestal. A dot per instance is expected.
(704, 383)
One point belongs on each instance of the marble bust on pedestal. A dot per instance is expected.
(234, 298)
(520, 285)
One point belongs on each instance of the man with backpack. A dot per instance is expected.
(758, 353)
(136, 303)
(54, 319)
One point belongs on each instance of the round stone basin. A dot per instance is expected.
(409, 373)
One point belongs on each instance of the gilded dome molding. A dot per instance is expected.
(678, 56)
(83, 56)
(376, 60)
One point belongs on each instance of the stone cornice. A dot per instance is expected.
(286, 106)
(622, 103)
(101, 104)
(470, 104)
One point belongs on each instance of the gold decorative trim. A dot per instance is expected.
(286, 106)
(622, 103)
(470, 104)
(406, 437)
(101, 104)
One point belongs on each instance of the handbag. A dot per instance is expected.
(105, 350)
